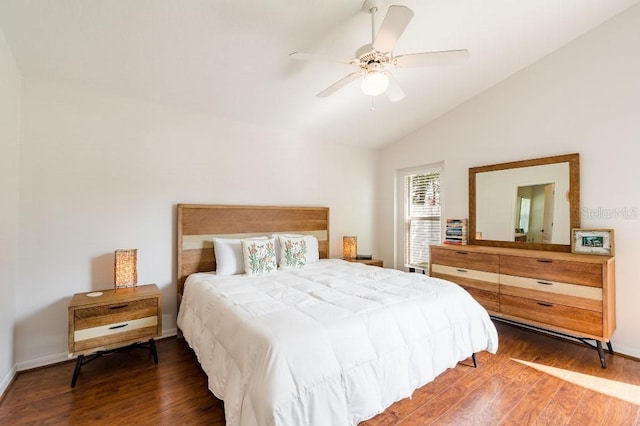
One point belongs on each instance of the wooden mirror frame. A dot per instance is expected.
(574, 200)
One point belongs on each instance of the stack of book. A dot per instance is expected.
(456, 232)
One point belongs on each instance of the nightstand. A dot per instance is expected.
(372, 262)
(103, 321)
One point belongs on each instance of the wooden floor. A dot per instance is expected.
(128, 388)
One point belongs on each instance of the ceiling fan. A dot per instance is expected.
(372, 60)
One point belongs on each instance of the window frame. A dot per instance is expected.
(401, 261)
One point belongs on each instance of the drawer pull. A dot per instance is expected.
(113, 327)
(462, 252)
(544, 283)
(544, 260)
(462, 270)
(119, 306)
(548, 305)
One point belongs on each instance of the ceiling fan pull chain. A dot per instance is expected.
(373, 107)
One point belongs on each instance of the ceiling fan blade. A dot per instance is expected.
(393, 25)
(394, 91)
(340, 84)
(303, 56)
(445, 57)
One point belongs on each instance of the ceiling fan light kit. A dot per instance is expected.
(374, 83)
(372, 60)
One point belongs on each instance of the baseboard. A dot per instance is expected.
(41, 362)
(6, 381)
(169, 332)
(57, 358)
(622, 350)
(627, 351)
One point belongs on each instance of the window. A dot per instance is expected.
(421, 196)
(525, 211)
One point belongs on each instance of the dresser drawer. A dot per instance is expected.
(488, 299)
(482, 285)
(541, 313)
(567, 271)
(469, 277)
(579, 296)
(461, 258)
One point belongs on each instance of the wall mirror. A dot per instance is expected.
(530, 204)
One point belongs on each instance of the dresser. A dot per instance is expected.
(570, 294)
(109, 319)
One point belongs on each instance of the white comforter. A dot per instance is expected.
(332, 343)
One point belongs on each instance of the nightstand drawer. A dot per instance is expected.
(96, 316)
(114, 328)
(110, 334)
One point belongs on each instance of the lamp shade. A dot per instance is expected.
(349, 247)
(374, 83)
(125, 269)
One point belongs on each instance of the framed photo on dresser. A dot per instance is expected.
(592, 241)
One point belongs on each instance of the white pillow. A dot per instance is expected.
(259, 255)
(293, 251)
(228, 253)
(313, 253)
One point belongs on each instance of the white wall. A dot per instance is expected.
(9, 156)
(100, 173)
(583, 98)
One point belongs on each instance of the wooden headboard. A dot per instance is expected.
(199, 223)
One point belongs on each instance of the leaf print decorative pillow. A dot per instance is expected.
(259, 255)
(293, 251)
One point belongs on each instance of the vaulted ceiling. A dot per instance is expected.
(231, 58)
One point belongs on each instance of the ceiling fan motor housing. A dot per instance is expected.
(366, 55)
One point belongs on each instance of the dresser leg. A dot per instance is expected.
(76, 371)
(154, 351)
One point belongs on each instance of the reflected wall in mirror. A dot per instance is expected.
(534, 214)
(526, 204)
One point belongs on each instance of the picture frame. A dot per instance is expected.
(592, 241)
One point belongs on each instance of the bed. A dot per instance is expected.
(327, 342)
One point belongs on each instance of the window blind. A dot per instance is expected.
(422, 217)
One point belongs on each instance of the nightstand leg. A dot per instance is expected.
(76, 371)
(610, 347)
(603, 362)
(154, 351)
